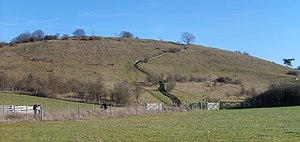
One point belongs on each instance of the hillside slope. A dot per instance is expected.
(112, 60)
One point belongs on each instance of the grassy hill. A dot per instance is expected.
(112, 59)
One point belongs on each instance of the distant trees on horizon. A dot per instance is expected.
(126, 34)
(188, 38)
(39, 35)
(288, 62)
(79, 32)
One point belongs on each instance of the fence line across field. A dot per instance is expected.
(11, 109)
(73, 112)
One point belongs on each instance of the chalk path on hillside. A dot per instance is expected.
(161, 88)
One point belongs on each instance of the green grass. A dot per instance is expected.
(163, 99)
(261, 125)
(50, 104)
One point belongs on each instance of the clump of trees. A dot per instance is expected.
(3, 44)
(52, 37)
(187, 38)
(228, 80)
(126, 34)
(51, 86)
(245, 53)
(37, 35)
(295, 73)
(276, 95)
(79, 32)
(121, 93)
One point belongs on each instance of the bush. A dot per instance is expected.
(152, 79)
(295, 73)
(79, 32)
(237, 82)
(276, 95)
(228, 80)
(121, 93)
(197, 79)
(65, 37)
(225, 80)
(97, 90)
(126, 34)
(170, 86)
(176, 78)
(50, 37)
(174, 50)
(3, 44)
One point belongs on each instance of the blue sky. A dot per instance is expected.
(268, 29)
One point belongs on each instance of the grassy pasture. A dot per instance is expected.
(264, 124)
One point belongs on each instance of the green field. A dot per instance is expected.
(265, 124)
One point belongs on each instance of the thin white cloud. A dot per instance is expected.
(90, 13)
(155, 3)
(31, 20)
(101, 13)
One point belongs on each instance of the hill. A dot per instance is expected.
(112, 60)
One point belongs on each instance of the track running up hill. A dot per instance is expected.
(162, 89)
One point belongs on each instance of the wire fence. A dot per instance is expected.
(72, 112)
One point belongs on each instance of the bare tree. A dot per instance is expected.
(121, 93)
(126, 34)
(187, 38)
(137, 92)
(288, 62)
(79, 32)
(38, 35)
(24, 37)
(97, 90)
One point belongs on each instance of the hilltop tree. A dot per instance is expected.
(288, 62)
(187, 38)
(126, 34)
(38, 35)
(298, 68)
(24, 37)
(79, 32)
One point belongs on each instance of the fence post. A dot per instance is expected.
(78, 112)
(45, 112)
(136, 109)
(14, 108)
(3, 108)
(201, 105)
(26, 112)
(41, 113)
(110, 111)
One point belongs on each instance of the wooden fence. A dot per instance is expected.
(153, 106)
(12, 109)
(214, 105)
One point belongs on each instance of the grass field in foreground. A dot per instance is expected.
(265, 124)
